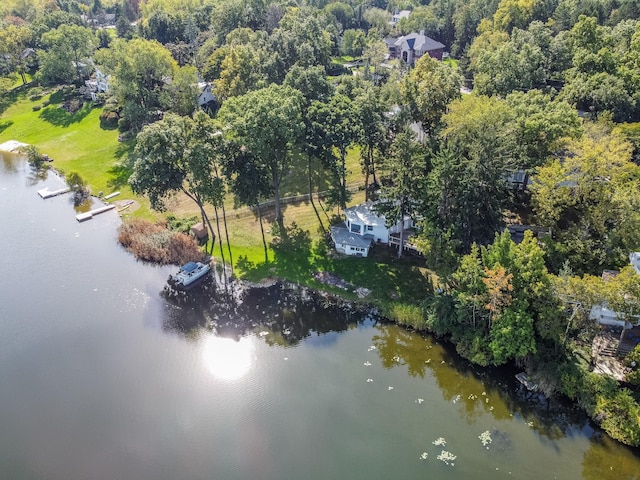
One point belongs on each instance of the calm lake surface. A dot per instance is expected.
(102, 376)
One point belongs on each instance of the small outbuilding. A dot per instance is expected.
(199, 230)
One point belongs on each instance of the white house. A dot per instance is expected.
(350, 243)
(98, 84)
(205, 94)
(605, 316)
(399, 15)
(362, 227)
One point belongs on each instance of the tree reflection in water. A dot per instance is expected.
(284, 315)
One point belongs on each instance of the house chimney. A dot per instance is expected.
(422, 32)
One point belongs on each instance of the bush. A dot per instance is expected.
(46, 103)
(35, 108)
(179, 224)
(35, 94)
(124, 125)
(109, 119)
(153, 242)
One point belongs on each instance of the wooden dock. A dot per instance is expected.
(81, 217)
(46, 193)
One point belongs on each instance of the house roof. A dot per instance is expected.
(364, 214)
(402, 14)
(340, 235)
(419, 41)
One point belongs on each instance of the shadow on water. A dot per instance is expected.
(476, 391)
(282, 315)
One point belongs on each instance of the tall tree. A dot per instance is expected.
(337, 128)
(429, 89)
(140, 69)
(267, 122)
(467, 192)
(68, 47)
(373, 139)
(590, 198)
(405, 168)
(164, 164)
(13, 41)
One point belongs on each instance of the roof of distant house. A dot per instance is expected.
(419, 41)
(402, 14)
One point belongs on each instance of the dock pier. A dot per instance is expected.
(46, 193)
(81, 217)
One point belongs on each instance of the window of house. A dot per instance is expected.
(355, 228)
(369, 228)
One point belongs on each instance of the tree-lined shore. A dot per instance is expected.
(308, 99)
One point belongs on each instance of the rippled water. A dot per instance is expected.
(103, 376)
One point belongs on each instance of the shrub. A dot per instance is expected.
(35, 94)
(35, 108)
(109, 119)
(46, 103)
(181, 224)
(153, 242)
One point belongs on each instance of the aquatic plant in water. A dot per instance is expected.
(485, 438)
(440, 442)
(447, 457)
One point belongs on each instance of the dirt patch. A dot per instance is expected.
(126, 206)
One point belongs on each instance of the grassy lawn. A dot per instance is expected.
(451, 61)
(77, 143)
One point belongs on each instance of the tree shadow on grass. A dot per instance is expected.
(121, 172)
(5, 124)
(119, 176)
(56, 97)
(62, 118)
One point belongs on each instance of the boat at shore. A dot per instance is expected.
(189, 274)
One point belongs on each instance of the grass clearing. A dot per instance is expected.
(77, 143)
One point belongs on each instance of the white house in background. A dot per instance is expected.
(362, 227)
(604, 315)
(99, 83)
(205, 95)
(399, 15)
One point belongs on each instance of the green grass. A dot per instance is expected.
(344, 59)
(451, 61)
(77, 143)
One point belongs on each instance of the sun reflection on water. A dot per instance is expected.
(228, 359)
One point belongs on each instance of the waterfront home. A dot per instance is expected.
(363, 226)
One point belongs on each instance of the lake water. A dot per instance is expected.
(102, 376)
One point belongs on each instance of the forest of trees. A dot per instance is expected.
(555, 93)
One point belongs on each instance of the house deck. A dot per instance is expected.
(629, 341)
(605, 353)
(394, 239)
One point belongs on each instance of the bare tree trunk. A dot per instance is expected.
(226, 232)
(205, 217)
(313, 204)
(224, 266)
(264, 240)
(401, 236)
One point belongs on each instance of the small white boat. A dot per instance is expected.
(190, 273)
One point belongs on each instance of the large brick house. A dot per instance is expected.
(409, 48)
